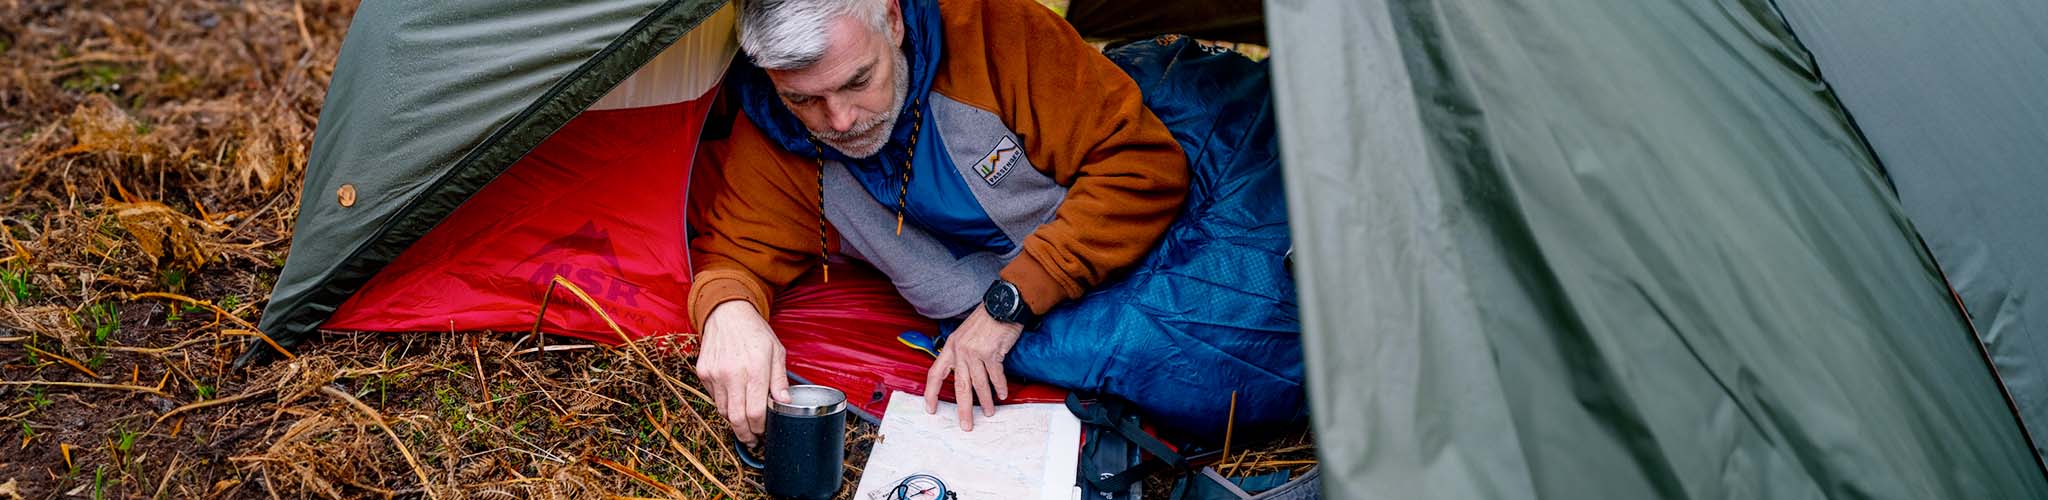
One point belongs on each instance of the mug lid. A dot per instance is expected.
(810, 400)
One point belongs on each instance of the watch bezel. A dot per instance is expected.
(1011, 306)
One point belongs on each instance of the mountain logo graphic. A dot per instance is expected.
(996, 164)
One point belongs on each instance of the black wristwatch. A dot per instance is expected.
(1005, 303)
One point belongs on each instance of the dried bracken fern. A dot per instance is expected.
(97, 126)
(272, 149)
(163, 233)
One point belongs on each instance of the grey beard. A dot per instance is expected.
(867, 138)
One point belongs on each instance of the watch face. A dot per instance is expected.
(1002, 301)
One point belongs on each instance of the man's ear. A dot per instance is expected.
(895, 22)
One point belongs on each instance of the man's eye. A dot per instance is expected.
(799, 100)
(858, 84)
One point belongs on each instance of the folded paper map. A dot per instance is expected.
(1025, 451)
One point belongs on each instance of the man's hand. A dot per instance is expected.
(974, 355)
(741, 364)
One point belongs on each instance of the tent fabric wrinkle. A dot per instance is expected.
(600, 204)
(413, 168)
(1636, 241)
(1951, 102)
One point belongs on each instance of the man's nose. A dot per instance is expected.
(840, 114)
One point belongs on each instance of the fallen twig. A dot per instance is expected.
(661, 426)
(717, 433)
(214, 402)
(1229, 424)
(665, 489)
(158, 350)
(201, 303)
(67, 361)
(1278, 463)
(552, 348)
(425, 483)
(668, 382)
(482, 378)
(166, 482)
(259, 336)
(90, 385)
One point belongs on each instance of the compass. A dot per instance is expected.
(921, 487)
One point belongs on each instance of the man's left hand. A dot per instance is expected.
(974, 356)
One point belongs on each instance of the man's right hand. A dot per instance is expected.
(741, 364)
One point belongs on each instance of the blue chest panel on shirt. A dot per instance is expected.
(938, 200)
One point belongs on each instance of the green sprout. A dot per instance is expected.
(103, 319)
(16, 284)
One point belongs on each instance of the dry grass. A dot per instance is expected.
(153, 152)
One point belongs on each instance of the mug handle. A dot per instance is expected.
(747, 458)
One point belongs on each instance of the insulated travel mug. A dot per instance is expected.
(804, 447)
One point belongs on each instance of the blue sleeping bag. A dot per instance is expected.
(1211, 309)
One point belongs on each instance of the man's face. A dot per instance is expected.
(849, 99)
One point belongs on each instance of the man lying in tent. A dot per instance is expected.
(1011, 182)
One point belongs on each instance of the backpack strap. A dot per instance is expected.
(1116, 416)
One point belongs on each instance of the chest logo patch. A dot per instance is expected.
(996, 164)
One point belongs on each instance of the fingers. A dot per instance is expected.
(979, 371)
(738, 424)
(735, 416)
(738, 357)
(778, 379)
(730, 405)
(715, 382)
(963, 397)
(932, 378)
(1002, 383)
(755, 398)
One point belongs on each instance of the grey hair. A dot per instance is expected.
(793, 34)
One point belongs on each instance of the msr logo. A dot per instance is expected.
(588, 240)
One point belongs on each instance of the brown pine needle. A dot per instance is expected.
(68, 361)
(157, 350)
(551, 348)
(89, 385)
(426, 484)
(166, 482)
(22, 251)
(661, 426)
(482, 378)
(220, 313)
(1281, 463)
(1229, 424)
(666, 381)
(299, 14)
(259, 336)
(717, 433)
(212, 403)
(670, 491)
